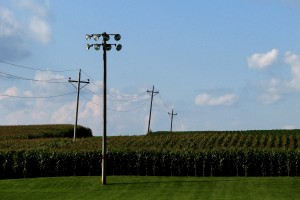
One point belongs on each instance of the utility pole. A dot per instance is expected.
(106, 47)
(152, 93)
(172, 115)
(77, 98)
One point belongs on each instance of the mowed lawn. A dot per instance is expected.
(139, 187)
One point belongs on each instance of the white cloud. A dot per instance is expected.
(13, 91)
(40, 9)
(294, 61)
(62, 109)
(38, 25)
(263, 60)
(44, 87)
(47, 75)
(64, 114)
(270, 98)
(207, 100)
(92, 108)
(8, 23)
(40, 29)
(274, 89)
(35, 24)
(24, 22)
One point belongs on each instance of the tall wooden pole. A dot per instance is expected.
(152, 94)
(77, 103)
(77, 99)
(172, 115)
(104, 117)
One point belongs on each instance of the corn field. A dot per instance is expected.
(42, 131)
(238, 153)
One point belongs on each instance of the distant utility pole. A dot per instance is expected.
(152, 93)
(77, 98)
(172, 114)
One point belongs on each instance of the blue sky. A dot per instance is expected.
(221, 65)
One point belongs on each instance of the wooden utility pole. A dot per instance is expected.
(152, 93)
(172, 115)
(77, 98)
(104, 114)
(106, 47)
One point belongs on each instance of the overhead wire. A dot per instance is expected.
(35, 69)
(36, 97)
(58, 80)
(163, 102)
(111, 109)
(129, 110)
(159, 108)
(112, 94)
(90, 100)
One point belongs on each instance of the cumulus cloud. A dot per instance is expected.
(64, 114)
(12, 45)
(12, 91)
(38, 25)
(48, 75)
(294, 61)
(207, 100)
(274, 89)
(262, 60)
(27, 19)
(50, 83)
(40, 29)
(33, 110)
(270, 98)
(8, 23)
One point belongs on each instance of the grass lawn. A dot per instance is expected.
(133, 187)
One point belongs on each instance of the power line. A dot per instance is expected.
(111, 109)
(160, 108)
(114, 95)
(90, 100)
(6, 75)
(163, 103)
(94, 93)
(35, 69)
(36, 97)
(130, 110)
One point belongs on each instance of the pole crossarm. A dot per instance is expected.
(74, 81)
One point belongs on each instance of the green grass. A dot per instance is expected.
(126, 187)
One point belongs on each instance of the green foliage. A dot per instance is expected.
(252, 153)
(42, 131)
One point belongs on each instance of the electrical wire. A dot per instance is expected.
(91, 101)
(36, 97)
(163, 103)
(35, 69)
(111, 93)
(159, 108)
(111, 109)
(5, 75)
(94, 93)
(130, 110)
